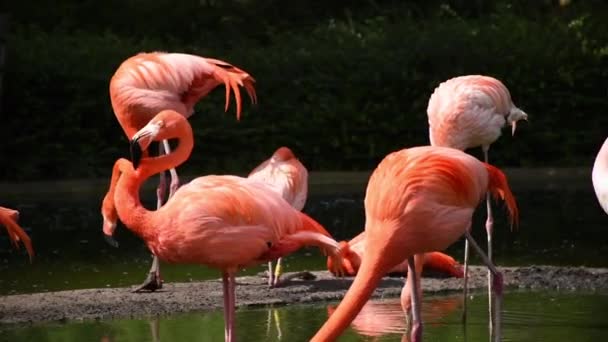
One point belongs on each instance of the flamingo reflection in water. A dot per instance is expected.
(379, 318)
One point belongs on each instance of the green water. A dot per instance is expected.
(528, 316)
(561, 224)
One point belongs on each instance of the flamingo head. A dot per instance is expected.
(162, 127)
(515, 115)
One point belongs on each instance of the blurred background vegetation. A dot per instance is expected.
(340, 82)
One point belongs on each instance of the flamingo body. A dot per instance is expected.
(418, 200)
(470, 111)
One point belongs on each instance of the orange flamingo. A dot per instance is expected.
(466, 112)
(599, 176)
(9, 218)
(354, 250)
(418, 200)
(285, 174)
(224, 222)
(147, 83)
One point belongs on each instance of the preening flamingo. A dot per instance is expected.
(286, 175)
(599, 176)
(466, 112)
(147, 83)
(354, 251)
(9, 218)
(224, 222)
(418, 200)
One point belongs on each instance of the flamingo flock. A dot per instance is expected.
(418, 201)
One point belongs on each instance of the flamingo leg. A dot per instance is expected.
(270, 275)
(277, 272)
(489, 231)
(154, 281)
(231, 306)
(416, 327)
(226, 290)
(465, 287)
(497, 287)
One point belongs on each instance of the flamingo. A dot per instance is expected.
(466, 112)
(418, 200)
(9, 218)
(147, 83)
(354, 250)
(224, 222)
(286, 175)
(599, 176)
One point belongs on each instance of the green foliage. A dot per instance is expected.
(342, 83)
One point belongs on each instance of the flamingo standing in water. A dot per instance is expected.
(9, 218)
(147, 83)
(599, 176)
(418, 200)
(225, 222)
(286, 175)
(466, 112)
(354, 250)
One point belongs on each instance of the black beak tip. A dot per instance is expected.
(136, 153)
(111, 241)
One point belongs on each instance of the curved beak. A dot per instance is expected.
(142, 140)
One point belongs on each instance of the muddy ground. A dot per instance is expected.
(252, 290)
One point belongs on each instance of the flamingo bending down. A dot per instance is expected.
(466, 112)
(225, 222)
(147, 83)
(9, 218)
(354, 250)
(286, 175)
(599, 176)
(418, 200)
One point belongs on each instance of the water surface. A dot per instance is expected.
(561, 224)
(528, 316)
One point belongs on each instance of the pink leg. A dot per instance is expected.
(225, 286)
(489, 231)
(270, 274)
(497, 288)
(416, 326)
(229, 305)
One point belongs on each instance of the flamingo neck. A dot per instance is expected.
(360, 291)
(128, 205)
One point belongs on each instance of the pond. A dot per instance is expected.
(561, 224)
(528, 316)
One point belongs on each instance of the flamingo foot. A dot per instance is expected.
(152, 283)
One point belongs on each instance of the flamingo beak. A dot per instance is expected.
(142, 140)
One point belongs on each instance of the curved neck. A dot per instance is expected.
(360, 291)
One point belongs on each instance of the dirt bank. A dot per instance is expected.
(184, 297)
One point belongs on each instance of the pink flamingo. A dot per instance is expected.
(354, 251)
(599, 176)
(286, 175)
(9, 218)
(418, 200)
(224, 222)
(466, 112)
(147, 83)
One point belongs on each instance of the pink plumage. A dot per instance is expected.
(470, 111)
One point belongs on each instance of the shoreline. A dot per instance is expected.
(116, 303)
